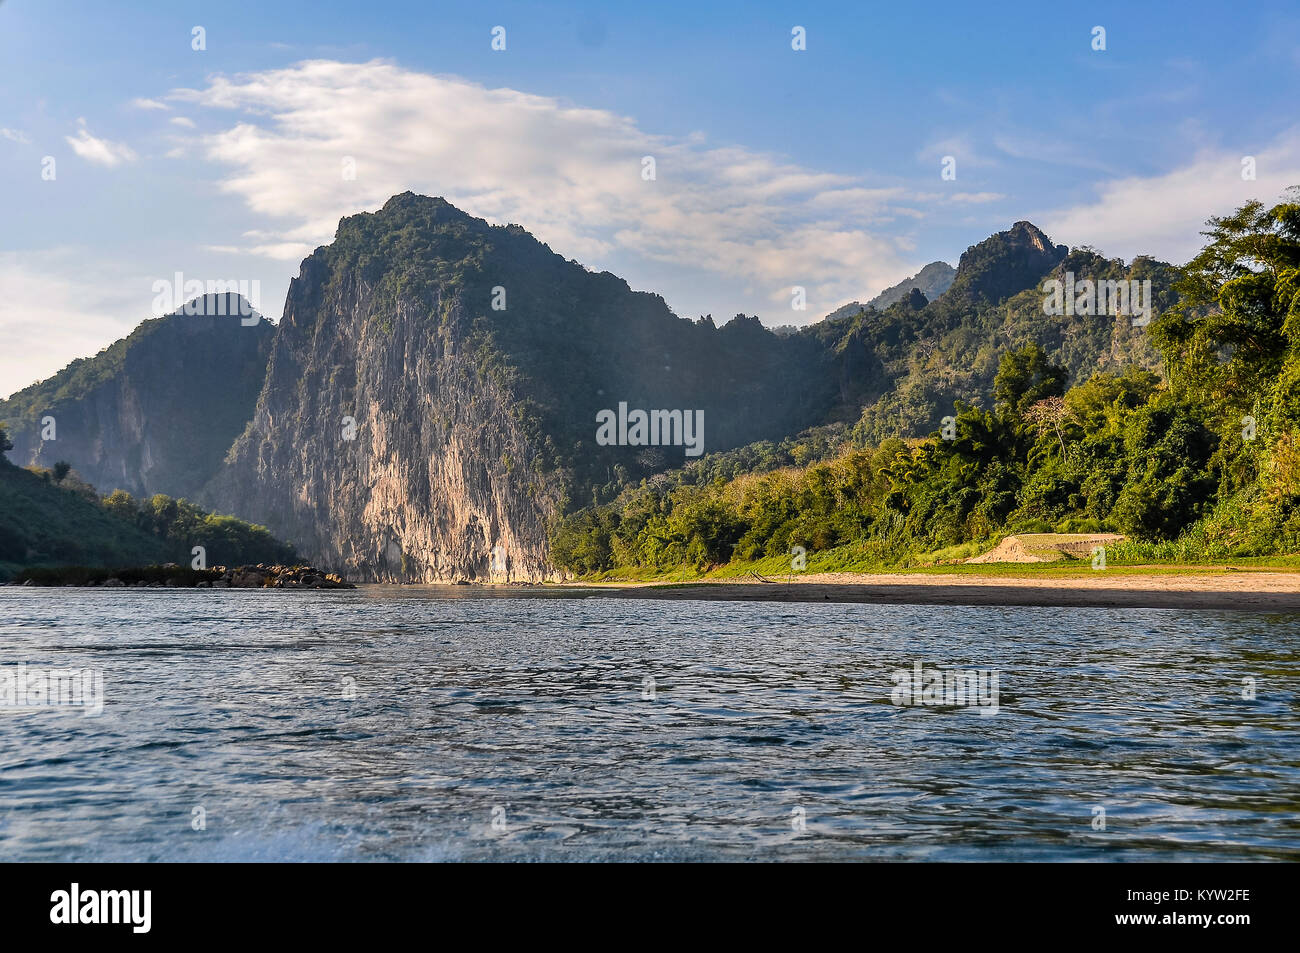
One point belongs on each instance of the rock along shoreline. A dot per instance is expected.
(172, 576)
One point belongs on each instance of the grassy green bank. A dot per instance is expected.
(1125, 559)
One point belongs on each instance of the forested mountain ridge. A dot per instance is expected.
(1203, 464)
(427, 406)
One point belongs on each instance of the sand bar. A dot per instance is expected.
(1259, 591)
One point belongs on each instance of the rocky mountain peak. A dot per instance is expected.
(1004, 264)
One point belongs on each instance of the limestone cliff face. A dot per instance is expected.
(380, 449)
(153, 413)
(434, 387)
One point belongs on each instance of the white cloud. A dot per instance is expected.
(570, 175)
(282, 251)
(1163, 215)
(866, 204)
(976, 198)
(15, 135)
(99, 151)
(149, 104)
(182, 121)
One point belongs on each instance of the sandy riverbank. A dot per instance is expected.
(1259, 591)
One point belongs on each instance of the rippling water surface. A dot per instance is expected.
(531, 711)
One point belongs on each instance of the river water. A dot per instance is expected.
(445, 724)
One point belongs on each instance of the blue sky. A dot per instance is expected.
(774, 168)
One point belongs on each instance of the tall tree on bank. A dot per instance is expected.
(1232, 345)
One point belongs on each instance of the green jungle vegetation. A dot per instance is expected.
(49, 517)
(1184, 435)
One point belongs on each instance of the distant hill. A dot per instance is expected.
(154, 412)
(949, 349)
(932, 280)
